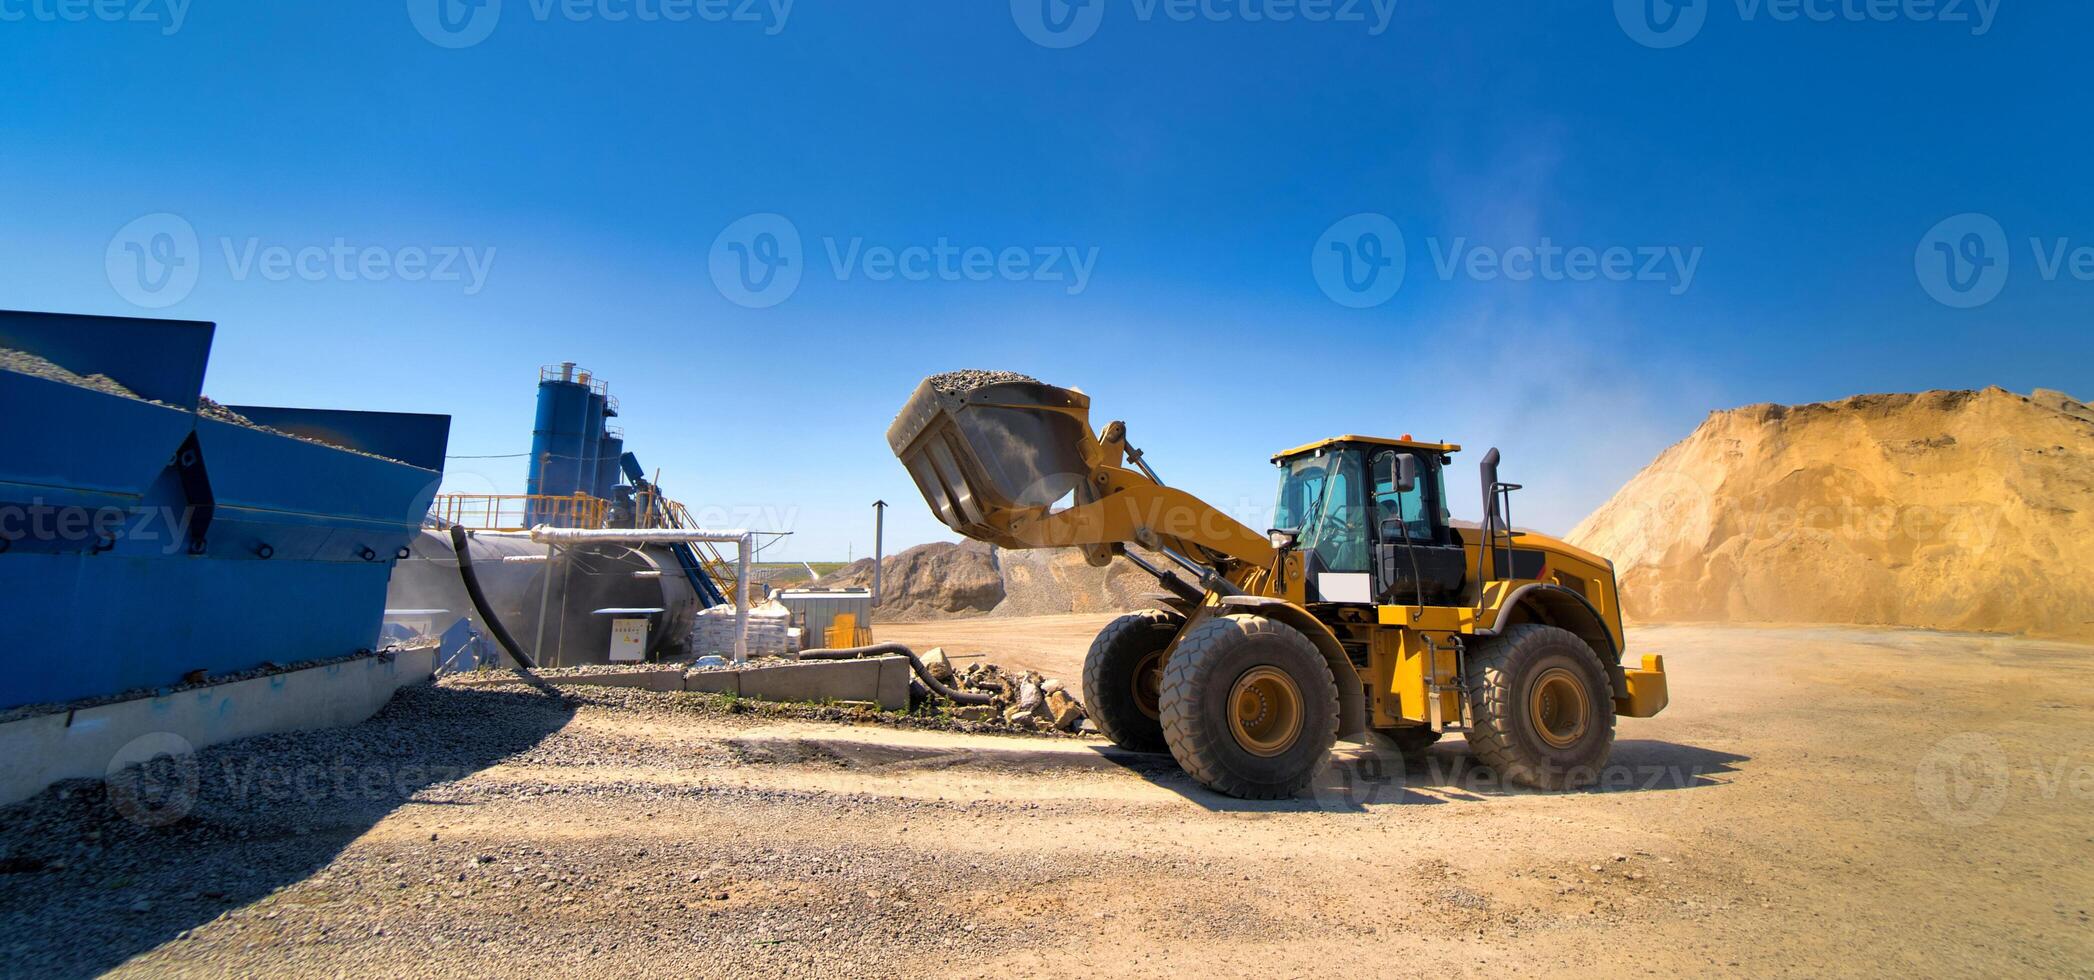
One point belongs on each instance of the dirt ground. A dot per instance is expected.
(1816, 801)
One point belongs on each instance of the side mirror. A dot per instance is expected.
(1398, 470)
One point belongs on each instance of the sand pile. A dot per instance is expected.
(933, 581)
(945, 581)
(1966, 510)
(1046, 581)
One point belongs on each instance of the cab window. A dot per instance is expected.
(1402, 515)
(1340, 538)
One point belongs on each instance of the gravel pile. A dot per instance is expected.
(1024, 701)
(23, 362)
(962, 382)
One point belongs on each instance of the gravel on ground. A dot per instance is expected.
(1816, 801)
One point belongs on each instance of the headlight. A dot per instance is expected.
(1282, 540)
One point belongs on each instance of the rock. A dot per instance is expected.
(975, 712)
(1064, 712)
(1023, 717)
(1053, 684)
(938, 665)
(1030, 697)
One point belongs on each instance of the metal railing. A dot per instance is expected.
(518, 512)
(657, 512)
(574, 375)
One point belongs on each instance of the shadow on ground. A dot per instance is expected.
(1362, 777)
(93, 873)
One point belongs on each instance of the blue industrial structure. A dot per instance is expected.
(709, 594)
(142, 541)
(569, 441)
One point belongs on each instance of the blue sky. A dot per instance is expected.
(587, 178)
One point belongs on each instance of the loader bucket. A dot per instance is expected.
(991, 456)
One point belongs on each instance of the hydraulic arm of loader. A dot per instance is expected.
(994, 461)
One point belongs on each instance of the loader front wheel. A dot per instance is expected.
(1543, 710)
(1123, 674)
(1249, 707)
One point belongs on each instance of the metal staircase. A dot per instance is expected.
(711, 575)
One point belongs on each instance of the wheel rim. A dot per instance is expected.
(1148, 685)
(1557, 707)
(1265, 711)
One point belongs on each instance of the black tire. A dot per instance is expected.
(1123, 707)
(1537, 742)
(1202, 679)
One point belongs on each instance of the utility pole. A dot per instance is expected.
(879, 542)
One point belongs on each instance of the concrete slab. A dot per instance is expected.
(667, 681)
(84, 744)
(713, 681)
(882, 680)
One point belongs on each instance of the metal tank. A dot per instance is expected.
(426, 596)
(567, 438)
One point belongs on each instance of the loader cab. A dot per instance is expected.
(1369, 517)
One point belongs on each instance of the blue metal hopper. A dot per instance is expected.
(141, 541)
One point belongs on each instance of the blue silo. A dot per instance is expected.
(609, 450)
(566, 440)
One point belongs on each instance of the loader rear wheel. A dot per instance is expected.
(1249, 707)
(1123, 676)
(1543, 710)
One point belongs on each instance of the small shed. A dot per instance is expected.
(815, 609)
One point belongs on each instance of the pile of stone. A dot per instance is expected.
(962, 382)
(23, 362)
(1024, 700)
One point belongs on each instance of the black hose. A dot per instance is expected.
(480, 604)
(922, 672)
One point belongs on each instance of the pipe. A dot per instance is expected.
(661, 535)
(923, 673)
(480, 604)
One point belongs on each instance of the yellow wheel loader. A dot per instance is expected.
(1363, 609)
